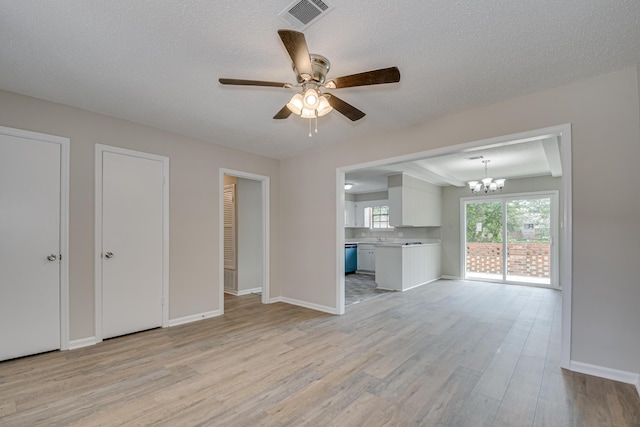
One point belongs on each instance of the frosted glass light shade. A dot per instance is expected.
(307, 113)
(296, 104)
(323, 107)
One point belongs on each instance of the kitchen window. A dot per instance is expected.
(377, 217)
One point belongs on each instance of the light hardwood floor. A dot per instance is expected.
(450, 353)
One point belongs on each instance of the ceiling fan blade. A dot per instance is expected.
(375, 77)
(241, 82)
(283, 113)
(296, 45)
(348, 110)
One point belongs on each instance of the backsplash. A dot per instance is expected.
(395, 233)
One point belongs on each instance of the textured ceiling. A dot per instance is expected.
(158, 62)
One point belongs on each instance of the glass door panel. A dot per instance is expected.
(484, 240)
(528, 256)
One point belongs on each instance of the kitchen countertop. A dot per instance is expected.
(407, 245)
(396, 243)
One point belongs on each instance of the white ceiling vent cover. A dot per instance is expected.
(302, 13)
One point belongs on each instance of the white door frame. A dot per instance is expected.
(566, 227)
(100, 149)
(266, 221)
(64, 221)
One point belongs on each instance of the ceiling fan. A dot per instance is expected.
(311, 73)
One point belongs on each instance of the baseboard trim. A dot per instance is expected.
(451, 277)
(83, 342)
(608, 373)
(243, 292)
(310, 305)
(249, 291)
(194, 318)
(421, 284)
(275, 299)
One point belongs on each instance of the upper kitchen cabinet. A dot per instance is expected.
(413, 202)
(350, 214)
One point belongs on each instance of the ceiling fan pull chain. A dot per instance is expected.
(310, 134)
(316, 122)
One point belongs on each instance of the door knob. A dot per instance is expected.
(108, 254)
(52, 257)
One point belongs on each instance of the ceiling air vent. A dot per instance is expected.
(302, 13)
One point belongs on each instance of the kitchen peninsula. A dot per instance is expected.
(402, 266)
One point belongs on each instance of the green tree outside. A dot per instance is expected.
(484, 221)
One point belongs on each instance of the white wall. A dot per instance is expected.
(451, 236)
(194, 186)
(249, 234)
(605, 116)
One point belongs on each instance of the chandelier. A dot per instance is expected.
(486, 184)
(310, 103)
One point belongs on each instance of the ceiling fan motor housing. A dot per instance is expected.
(320, 67)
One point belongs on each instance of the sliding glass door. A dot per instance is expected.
(485, 246)
(511, 239)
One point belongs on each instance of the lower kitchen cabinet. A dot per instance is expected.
(366, 258)
(400, 268)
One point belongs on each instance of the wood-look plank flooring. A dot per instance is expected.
(450, 353)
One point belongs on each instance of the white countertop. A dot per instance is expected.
(395, 242)
(406, 245)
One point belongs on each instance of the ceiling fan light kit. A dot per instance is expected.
(486, 184)
(311, 71)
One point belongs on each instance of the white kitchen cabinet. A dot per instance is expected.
(402, 267)
(349, 213)
(413, 202)
(366, 258)
(358, 212)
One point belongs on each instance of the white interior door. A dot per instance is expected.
(132, 243)
(29, 246)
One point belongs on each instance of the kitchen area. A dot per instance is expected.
(392, 237)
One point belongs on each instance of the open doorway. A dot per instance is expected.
(244, 228)
(552, 146)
